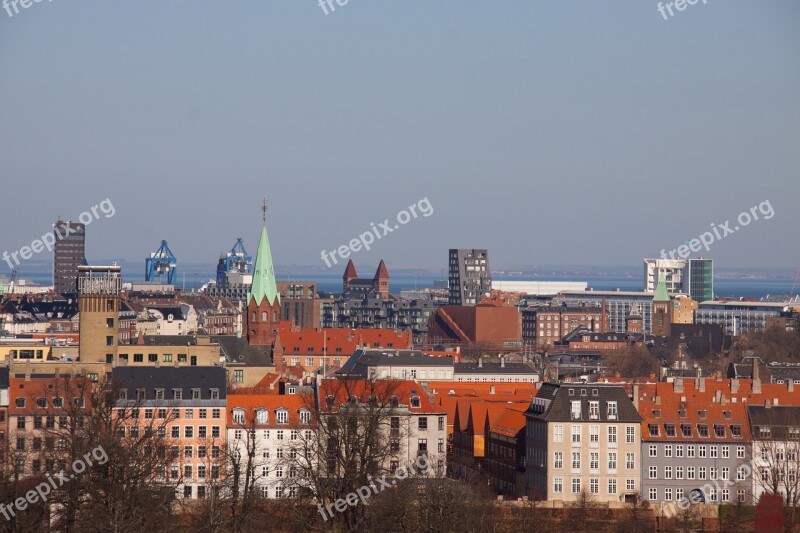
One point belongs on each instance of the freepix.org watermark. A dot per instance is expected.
(53, 482)
(16, 4)
(48, 240)
(708, 493)
(383, 229)
(328, 6)
(365, 492)
(720, 231)
(679, 5)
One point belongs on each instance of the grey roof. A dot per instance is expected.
(778, 418)
(237, 350)
(493, 368)
(560, 396)
(187, 378)
(361, 360)
(170, 340)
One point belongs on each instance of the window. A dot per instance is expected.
(667, 472)
(262, 416)
(630, 484)
(575, 410)
(678, 472)
(612, 434)
(594, 436)
(612, 486)
(576, 485)
(176, 432)
(576, 434)
(690, 451)
(20, 402)
(58, 402)
(689, 472)
(702, 451)
(576, 460)
(668, 450)
(652, 494)
(214, 394)
(702, 430)
(612, 460)
(594, 460)
(238, 416)
(679, 450)
(41, 403)
(630, 460)
(686, 430)
(653, 450)
(594, 410)
(701, 472)
(594, 486)
(188, 432)
(726, 452)
(612, 410)
(740, 452)
(653, 430)
(653, 472)
(201, 432)
(177, 394)
(238, 377)
(668, 495)
(630, 434)
(282, 416)
(669, 430)
(714, 452)
(719, 431)
(422, 423)
(558, 433)
(558, 460)
(736, 431)
(726, 473)
(558, 485)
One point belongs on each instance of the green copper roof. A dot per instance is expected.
(264, 285)
(661, 289)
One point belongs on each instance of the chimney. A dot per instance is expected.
(756, 386)
(677, 385)
(734, 386)
(700, 384)
(790, 384)
(775, 402)
(502, 362)
(657, 400)
(756, 371)
(636, 396)
(491, 388)
(480, 361)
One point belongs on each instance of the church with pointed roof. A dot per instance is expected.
(263, 300)
(352, 285)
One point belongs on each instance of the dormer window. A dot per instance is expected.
(656, 413)
(329, 400)
(238, 416)
(653, 430)
(262, 416)
(214, 394)
(159, 394)
(122, 394)
(669, 430)
(305, 416)
(141, 394)
(575, 410)
(719, 431)
(681, 413)
(394, 401)
(195, 394)
(702, 431)
(736, 431)
(701, 413)
(282, 416)
(415, 401)
(612, 410)
(686, 430)
(594, 410)
(177, 394)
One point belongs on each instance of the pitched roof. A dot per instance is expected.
(558, 398)
(250, 403)
(661, 294)
(508, 423)
(350, 271)
(381, 272)
(382, 390)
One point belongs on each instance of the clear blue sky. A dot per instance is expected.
(550, 132)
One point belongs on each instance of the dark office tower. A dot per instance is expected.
(68, 255)
(469, 278)
(700, 279)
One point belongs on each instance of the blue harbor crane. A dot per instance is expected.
(237, 260)
(162, 262)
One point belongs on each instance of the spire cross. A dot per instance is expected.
(264, 211)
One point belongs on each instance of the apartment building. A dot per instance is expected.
(469, 276)
(416, 426)
(268, 431)
(583, 438)
(544, 326)
(184, 406)
(776, 450)
(694, 446)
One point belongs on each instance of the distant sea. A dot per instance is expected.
(745, 286)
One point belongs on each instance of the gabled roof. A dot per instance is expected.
(508, 423)
(382, 390)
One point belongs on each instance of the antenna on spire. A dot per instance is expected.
(264, 211)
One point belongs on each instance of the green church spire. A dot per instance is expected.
(264, 285)
(661, 288)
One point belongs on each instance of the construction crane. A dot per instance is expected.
(12, 281)
(237, 260)
(162, 262)
(794, 282)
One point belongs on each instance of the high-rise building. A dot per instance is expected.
(673, 270)
(470, 277)
(68, 255)
(99, 291)
(698, 280)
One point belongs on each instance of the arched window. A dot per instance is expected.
(305, 416)
(238, 416)
(262, 416)
(263, 316)
(254, 316)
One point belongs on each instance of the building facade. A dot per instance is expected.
(69, 252)
(469, 276)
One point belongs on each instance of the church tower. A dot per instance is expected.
(661, 325)
(380, 282)
(263, 300)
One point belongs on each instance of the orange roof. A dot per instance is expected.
(294, 403)
(382, 390)
(509, 422)
(330, 341)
